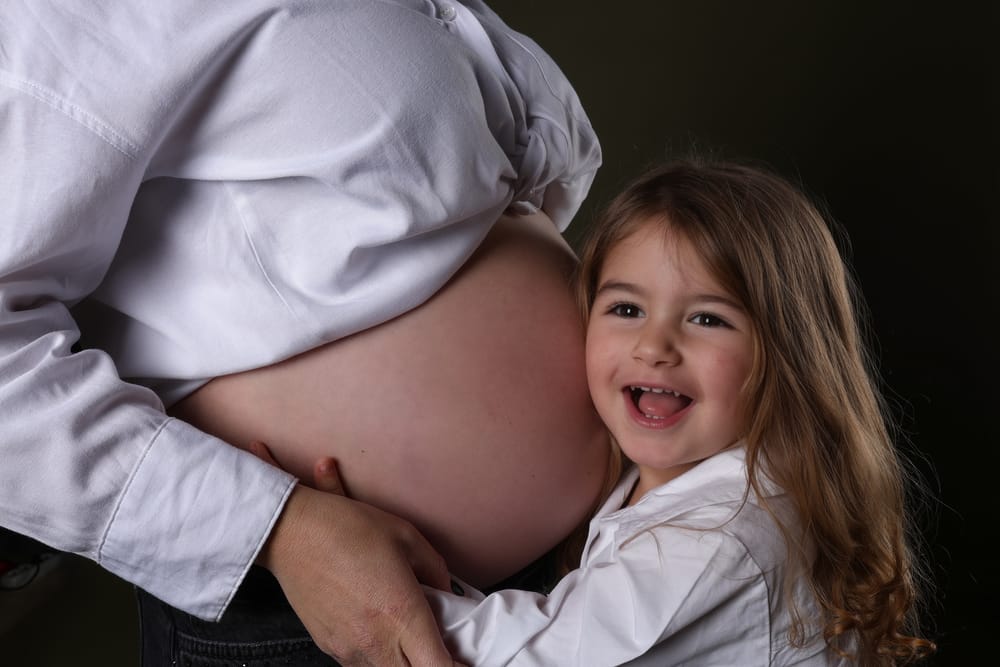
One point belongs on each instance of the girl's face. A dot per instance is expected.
(668, 351)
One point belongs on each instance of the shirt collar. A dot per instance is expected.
(720, 480)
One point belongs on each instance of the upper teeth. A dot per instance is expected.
(656, 390)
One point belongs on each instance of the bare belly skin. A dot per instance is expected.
(468, 416)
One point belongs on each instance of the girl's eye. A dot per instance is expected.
(708, 320)
(625, 310)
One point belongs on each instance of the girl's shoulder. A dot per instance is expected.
(713, 505)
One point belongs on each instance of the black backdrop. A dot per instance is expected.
(888, 113)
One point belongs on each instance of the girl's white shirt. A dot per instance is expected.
(689, 575)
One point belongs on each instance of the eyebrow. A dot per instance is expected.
(619, 286)
(632, 288)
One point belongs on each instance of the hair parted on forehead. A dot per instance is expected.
(759, 235)
(816, 422)
(766, 243)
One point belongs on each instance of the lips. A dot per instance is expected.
(658, 405)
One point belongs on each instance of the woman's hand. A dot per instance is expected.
(361, 602)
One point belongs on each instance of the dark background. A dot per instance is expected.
(887, 112)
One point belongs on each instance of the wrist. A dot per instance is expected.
(279, 543)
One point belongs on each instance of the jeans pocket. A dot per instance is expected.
(289, 652)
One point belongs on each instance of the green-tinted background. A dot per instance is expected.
(885, 110)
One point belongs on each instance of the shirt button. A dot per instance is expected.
(448, 12)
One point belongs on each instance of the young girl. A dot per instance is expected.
(761, 517)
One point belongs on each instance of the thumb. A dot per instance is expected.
(260, 450)
(326, 478)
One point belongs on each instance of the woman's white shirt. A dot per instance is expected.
(202, 187)
(689, 575)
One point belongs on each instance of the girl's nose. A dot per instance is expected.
(656, 347)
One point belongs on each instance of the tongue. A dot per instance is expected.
(660, 405)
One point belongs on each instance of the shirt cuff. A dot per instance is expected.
(192, 519)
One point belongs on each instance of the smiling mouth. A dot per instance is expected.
(657, 403)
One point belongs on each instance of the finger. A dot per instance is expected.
(260, 450)
(421, 640)
(428, 565)
(326, 478)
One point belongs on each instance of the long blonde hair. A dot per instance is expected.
(816, 422)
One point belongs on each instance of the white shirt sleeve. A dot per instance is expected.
(91, 464)
(694, 595)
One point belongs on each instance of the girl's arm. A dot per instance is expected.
(668, 595)
(693, 595)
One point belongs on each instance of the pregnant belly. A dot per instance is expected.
(468, 416)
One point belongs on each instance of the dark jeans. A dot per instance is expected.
(259, 628)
